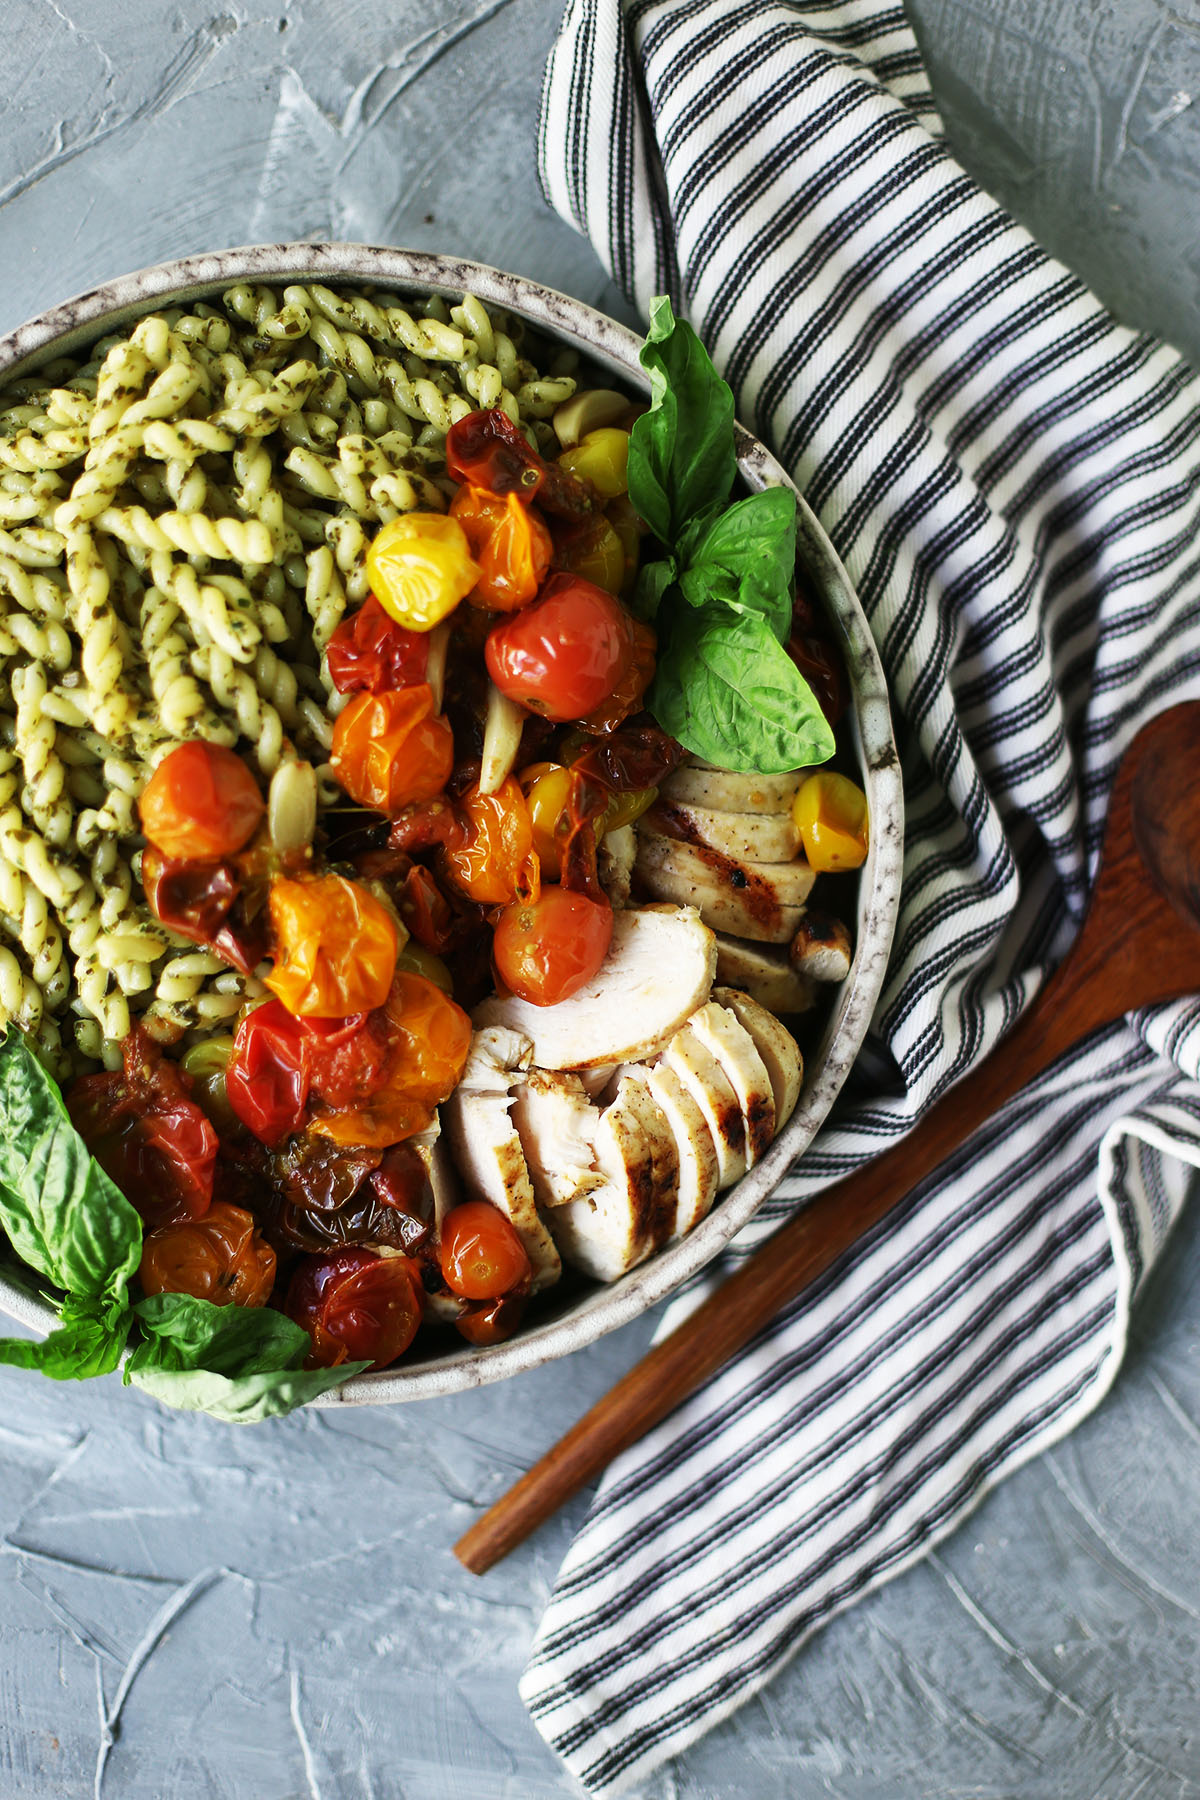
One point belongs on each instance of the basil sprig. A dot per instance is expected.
(71, 1224)
(720, 598)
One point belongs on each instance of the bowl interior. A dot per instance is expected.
(577, 1312)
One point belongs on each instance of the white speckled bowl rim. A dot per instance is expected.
(116, 305)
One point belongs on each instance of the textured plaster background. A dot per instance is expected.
(189, 1611)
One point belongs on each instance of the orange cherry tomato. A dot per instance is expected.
(221, 1258)
(201, 802)
(335, 947)
(547, 949)
(356, 1306)
(428, 1039)
(481, 1255)
(392, 749)
(510, 543)
(490, 855)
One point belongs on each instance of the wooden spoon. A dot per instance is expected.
(1140, 944)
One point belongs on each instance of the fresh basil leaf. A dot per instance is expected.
(653, 581)
(63, 1215)
(728, 692)
(746, 558)
(242, 1399)
(89, 1341)
(681, 454)
(181, 1332)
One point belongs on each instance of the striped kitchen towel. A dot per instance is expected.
(1013, 481)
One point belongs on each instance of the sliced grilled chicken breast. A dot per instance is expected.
(745, 836)
(763, 901)
(659, 968)
(764, 972)
(722, 1033)
(710, 1087)
(615, 1226)
(486, 1147)
(698, 1168)
(431, 1147)
(724, 790)
(556, 1119)
(821, 948)
(775, 1044)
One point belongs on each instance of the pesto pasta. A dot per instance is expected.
(184, 519)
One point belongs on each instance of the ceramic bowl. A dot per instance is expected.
(577, 1314)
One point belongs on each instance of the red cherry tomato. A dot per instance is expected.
(370, 653)
(488, 451)
(269, 1074)
(356, 1306)
(481, 1255)
(147, 1133)
(564, 655)
(547, 949)
(392, 749)
(201, 802)
(428, 1039)
(221, 1258)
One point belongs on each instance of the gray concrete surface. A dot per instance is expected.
(187, 1611)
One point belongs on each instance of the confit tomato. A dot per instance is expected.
(480, 1253)
(547, 949)
(201, 802)
(428, 1038)
(221, 1258)
(356, 1306)
(510, 543)
(370, 653)
(564, 655)
(486, 450)
(147, 1133)
(205, 901)
(268, 1076)
(392, 749)
(335, 947)
(489, 855)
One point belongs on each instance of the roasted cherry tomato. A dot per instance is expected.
(356, 1306)
(221, 1258)
(428, 1039)
(830, 812)
(564, 655)
(420, 567)
(269, 1074)
(392, 749)
(335, 947)
(510, 543)
(545, 950)
(490, 856)
(347, 1056)
(147, 1133)
(488, 451)
(205, 901)
(201, 802)
(370, 653)
(481, 1255)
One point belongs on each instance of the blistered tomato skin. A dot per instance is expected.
(420, 566)
(564, 655)
(428, 1036)
(481, 1255)
(511, 544)
(221, 1258)
(201, 802)
(489, 856)
(546, 950)
(392, 750)
(356, 1306)
(369, 653)
(335, 947)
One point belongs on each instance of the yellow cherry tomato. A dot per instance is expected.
(415, 959)
(623, 809)
(547, 786)
(601, 458)
(420, 566)
(335, 947)
(831, 816)
(596, 552)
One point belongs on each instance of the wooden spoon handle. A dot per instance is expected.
(790, 1259)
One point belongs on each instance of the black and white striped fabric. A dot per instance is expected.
(1013, 482)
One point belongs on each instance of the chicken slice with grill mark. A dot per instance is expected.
(734, 1049)
(765, 973)
(659, 968)
(745, 836)
(610, 1230)
(556, 1122)
(775, 1044)
(487, 1149)
(820, 950)
(725, 790)
(698, 1177)
(763, 901)
(710, 1087)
